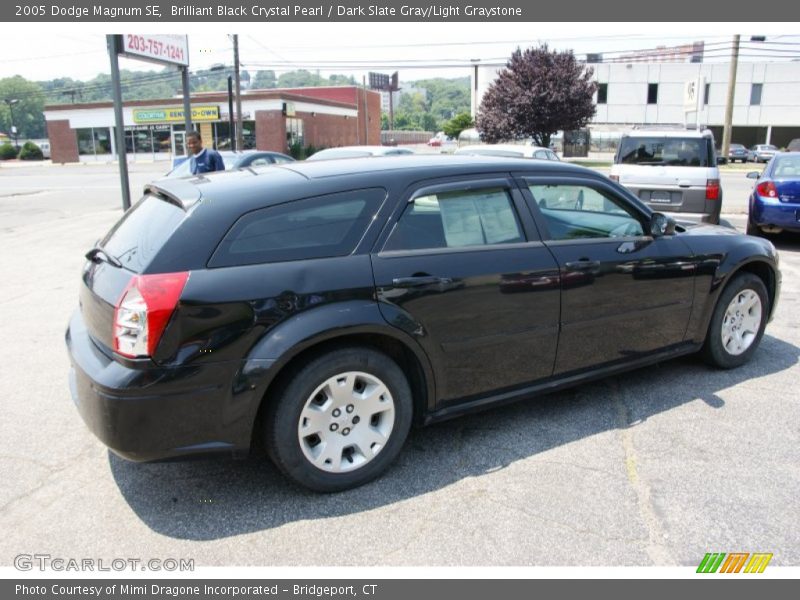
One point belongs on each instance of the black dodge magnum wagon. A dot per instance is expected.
(323, 308)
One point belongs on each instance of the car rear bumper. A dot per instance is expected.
(146, 412)
(784, 215)
(690, 203)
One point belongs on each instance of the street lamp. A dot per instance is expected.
(10, 102)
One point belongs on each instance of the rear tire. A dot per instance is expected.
(738, 322)
(340, 420)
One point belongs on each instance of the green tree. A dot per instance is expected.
(300, 78)
(265, 80)
(458, 124)
(27, 110)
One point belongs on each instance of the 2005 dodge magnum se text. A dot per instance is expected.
(324, 307)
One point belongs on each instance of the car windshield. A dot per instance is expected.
(669, 151)
(768, 147)
(737, 147)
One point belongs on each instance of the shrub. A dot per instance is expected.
(296, 151)
(7, 151)
(30, 151)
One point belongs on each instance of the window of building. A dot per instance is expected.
(94, 140)
(652, 93)
(602, 93)
(707, 94)
(294, 132)
(755, 94)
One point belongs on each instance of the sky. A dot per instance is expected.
(78, 50)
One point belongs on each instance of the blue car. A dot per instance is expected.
(775, 201)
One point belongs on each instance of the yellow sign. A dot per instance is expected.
(174, 114)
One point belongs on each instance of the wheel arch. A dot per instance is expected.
(298, 346)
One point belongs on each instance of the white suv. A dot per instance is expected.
(671, 171)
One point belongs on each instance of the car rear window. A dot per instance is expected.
(142, 232)
(665, 151)
(318, 227)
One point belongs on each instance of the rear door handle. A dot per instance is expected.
(419, 280)
(583, 264)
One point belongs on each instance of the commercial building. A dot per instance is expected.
(273, 119)
(766, 101)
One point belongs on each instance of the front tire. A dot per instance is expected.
(340, 420)
(738, 322)
(753, 229)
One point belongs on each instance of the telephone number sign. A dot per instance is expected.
(170, 49)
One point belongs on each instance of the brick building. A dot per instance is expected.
(272, 120)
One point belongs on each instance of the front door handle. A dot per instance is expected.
(583, 264)
(418, 281)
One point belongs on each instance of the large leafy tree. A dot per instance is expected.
(538, 93)
(27, 108)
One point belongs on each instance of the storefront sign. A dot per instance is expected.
(174, 114)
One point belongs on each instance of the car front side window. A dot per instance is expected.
(580, 211)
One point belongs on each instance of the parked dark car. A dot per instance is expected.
(775, 199)
(737, 152)
(324, 307)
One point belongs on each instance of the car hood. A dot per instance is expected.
(694, 228)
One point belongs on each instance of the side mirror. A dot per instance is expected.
(661, 225)
(753, 175)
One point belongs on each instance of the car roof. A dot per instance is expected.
(261, 186)
(672, 133)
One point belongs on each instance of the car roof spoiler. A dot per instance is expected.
(180, 192)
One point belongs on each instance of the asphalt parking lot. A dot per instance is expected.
(654, 467)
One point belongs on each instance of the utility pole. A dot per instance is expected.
(239, 132)
(119, 123)
(726, 131)
(231, 127)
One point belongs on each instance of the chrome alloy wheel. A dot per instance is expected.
(741, 322)
(346, 422)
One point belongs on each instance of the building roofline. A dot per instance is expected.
(271, 94)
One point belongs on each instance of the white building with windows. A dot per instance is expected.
(766, 101)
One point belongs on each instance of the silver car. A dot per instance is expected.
(761, 153)
(671, 171)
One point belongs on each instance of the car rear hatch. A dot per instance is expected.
(668, 173)
(788, 190)
(125, 252)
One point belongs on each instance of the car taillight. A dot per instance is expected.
(767, 189)
(143, 311)
(614, 177)
(712, 189)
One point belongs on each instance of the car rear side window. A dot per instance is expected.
(323, 226)
(457, 219)
(142, 232)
